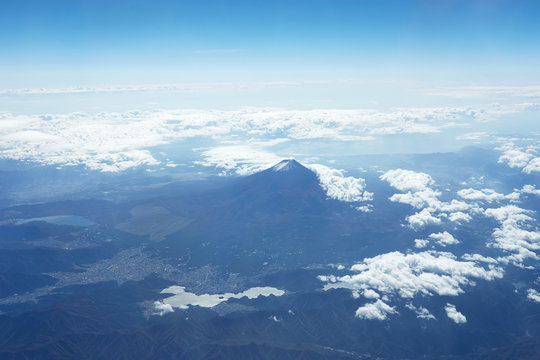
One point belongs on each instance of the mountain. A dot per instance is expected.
(286, 186)
(281, 213)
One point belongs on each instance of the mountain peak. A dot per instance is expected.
(286, 165)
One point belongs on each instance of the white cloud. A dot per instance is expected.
(396, 274)
(407, 180)
(517, 157)
(370, 294)
(341, 187)
(240, 159)
(532, 166)
(421, 243)
(365, 208)
(488, 195)
(455, 315)
(422, 218)
(421, 196)
(453, 205)
(530, 189)
(105, 142)
(473, 136)
(444, 238)
(353, 125)
(98, 139)
(77, 90)
(525, 91)
(533, 295)
(509, 213)
(175, 88)
(418, 199)
(408, 275)
(479, 258)
(375, 311)
(424, 313)
(514, 234)
(162, 308)
(421, 312)
(459, 217)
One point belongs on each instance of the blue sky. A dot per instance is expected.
(420, 76)
(106, 43)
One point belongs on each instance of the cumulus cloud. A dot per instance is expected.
(341, 187)
(370, 294)
(530, 189)
(511, 214)
(444, 238)
(423, 218)
(527, 159)
(421, 196)
(516, 158)
(533, 295)
(408, 275)
(488, 195)
(459, 217)
(514, 235)
(532, 166)
(162, 308)
(401, 275)
(441, 238)
(375, 311)
(421, 243)
(479, 258)
(365, 208)
(417, 199)
(421, 312)
(407, 180)
(453, 205)
(455, 315)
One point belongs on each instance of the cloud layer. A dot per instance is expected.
(119, 141)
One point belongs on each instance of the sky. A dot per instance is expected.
(337, 77)
(111, 43)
